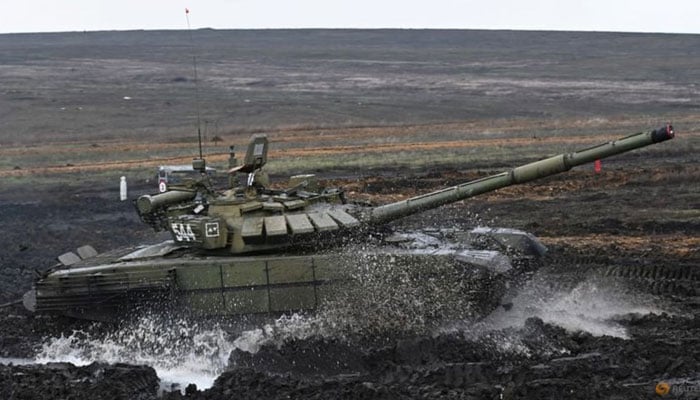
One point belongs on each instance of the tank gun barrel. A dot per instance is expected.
(525, 173)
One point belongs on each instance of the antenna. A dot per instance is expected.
(197, 164)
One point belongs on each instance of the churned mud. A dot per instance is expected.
(612, 311)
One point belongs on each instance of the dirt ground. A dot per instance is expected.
(611, 313)
(634, 232)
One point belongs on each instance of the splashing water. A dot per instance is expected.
(594, 305)
(591, 306)
(295, 326)
(181, 352)
(184, 352)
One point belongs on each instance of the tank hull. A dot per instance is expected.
(204, 287)
(162, 277)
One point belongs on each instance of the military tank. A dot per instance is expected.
(251, 249)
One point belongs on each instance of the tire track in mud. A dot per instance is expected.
(533, 360)
(672, 272)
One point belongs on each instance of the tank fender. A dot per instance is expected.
(494, 261)
(522, 242)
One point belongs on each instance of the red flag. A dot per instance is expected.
(597, 166)
(187, 10)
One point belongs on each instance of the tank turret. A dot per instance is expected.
(257, 218)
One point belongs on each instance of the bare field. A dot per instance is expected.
(135, 85)
(386, 115)
(306, 150)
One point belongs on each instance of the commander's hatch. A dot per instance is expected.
(255, 156)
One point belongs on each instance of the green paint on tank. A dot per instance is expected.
(250, 249)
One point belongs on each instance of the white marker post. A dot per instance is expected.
(122, 188)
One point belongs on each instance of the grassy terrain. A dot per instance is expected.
(496, 144)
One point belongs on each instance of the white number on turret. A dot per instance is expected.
(183, 232)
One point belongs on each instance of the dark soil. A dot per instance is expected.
(93, 86)
(632, 229)
(458, 364)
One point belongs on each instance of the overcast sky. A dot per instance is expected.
(589, 15)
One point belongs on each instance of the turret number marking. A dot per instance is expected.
(183, 232)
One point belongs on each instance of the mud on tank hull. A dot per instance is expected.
(424, 267)
(164, 276)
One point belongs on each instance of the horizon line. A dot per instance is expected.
(347, 29)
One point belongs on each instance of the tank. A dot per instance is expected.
(251, 249)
